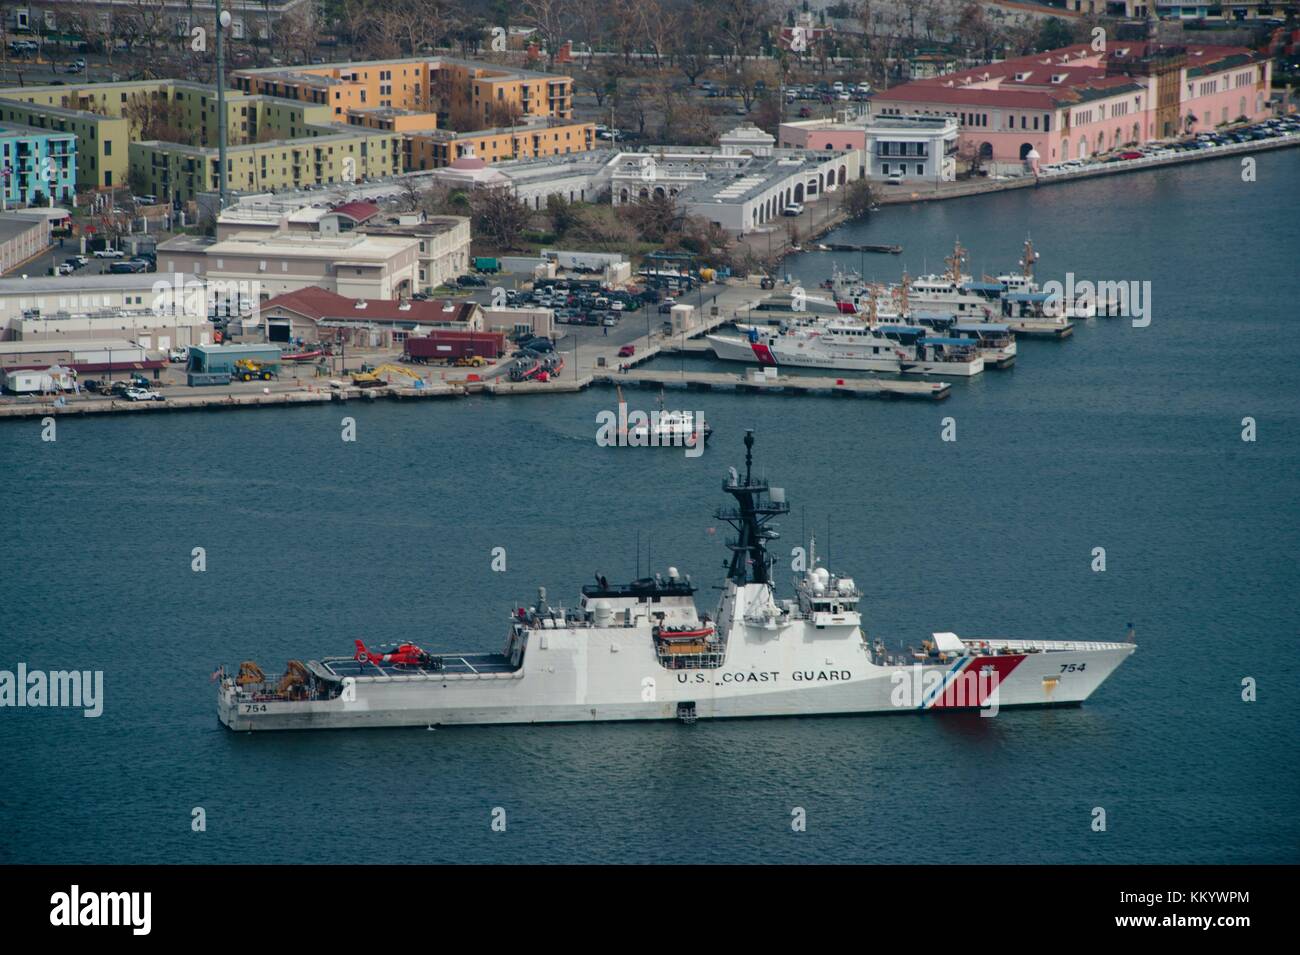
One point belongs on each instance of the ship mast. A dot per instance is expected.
(757, 505)
(955, 263)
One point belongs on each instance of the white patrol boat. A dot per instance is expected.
(642, 651)
(851, 345)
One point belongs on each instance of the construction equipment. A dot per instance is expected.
(369, 377)
(246, 369)
(295, 674)
(250, 674)
(471, 361)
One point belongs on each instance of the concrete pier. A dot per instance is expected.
(779, 384)
(1032, 328)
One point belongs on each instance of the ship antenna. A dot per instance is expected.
(749, 452)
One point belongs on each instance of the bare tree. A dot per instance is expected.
(152, 117)
(741, 22)
(691, 51)
(655, 217)
(499, 216)
(552, 19)
(753, 78)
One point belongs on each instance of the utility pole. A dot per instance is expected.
(223, 20)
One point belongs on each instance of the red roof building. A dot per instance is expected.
(315, 314)
(1076, 102)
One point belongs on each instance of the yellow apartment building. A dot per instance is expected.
(422, 84)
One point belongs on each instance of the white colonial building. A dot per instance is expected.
(742, 185)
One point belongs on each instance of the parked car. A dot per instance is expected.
(76, 66)
(793, 209)
(178, 355)
(142, 394)
(627, 351)
(465, 281)
(108, 253)
(64, 268)
(76, 261)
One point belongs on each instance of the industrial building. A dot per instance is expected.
(21, 239)
(83, 356)
(443, 242)
(152, 331)
(81, 295)
(314, 314)
(262, 266)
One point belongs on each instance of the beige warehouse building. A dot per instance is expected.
(264, 266)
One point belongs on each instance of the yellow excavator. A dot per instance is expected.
(369, 377)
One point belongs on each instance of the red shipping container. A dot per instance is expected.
(450, 345)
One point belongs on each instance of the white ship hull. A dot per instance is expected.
(804, 668)
(771, 684)
(833, 358)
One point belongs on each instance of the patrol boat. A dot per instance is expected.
(642, 651)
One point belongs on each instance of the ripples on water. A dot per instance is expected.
(1123, 438)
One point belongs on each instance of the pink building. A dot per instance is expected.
(1074, 102)
(822, 134)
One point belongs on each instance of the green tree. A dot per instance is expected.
(1054, 34)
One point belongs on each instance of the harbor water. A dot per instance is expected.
(1122, 438)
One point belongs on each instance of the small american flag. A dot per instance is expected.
(217, 674)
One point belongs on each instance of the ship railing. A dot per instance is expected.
(1040, 646)
(709, 659)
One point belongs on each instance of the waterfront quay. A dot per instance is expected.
(908, 193)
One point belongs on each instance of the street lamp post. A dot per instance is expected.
(223, 20)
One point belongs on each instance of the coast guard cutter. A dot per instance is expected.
(643, 651)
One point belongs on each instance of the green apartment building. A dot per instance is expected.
(272, 143)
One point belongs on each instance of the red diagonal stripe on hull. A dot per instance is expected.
(968, 689)
(765, 356)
